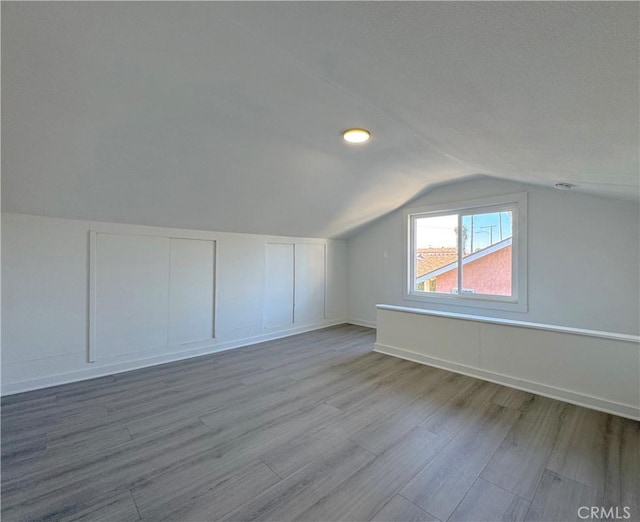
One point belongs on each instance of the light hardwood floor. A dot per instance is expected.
(311, 427)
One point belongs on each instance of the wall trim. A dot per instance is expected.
(587, 401)
(614, 336)
(362, 322)
(93, 371)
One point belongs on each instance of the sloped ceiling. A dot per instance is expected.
(227, 116)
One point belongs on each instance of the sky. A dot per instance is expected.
(440, 231)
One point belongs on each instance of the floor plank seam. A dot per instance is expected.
(274, 471)
(526, 515)
(420, 508)
(397, 492)
(384, 506)
(505, 489)
(371, 452)
(569, 478)
(127, 429)
(135, 504)
(462, 499)
(535, 491)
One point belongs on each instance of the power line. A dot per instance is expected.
(490, 232)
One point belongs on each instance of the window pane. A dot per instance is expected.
(436, 255)
(486, 264)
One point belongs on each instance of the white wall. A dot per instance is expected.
(45, 298)
(583, 259)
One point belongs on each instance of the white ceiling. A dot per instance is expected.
(227, 116)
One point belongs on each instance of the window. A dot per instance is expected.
(468, 254)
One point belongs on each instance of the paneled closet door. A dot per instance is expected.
(131, 294)
(309, 284)
(279, 285)
(191, 290)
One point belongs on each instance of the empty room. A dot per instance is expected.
(320, 261)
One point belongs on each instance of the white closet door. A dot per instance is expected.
(191, 290)
(131, 294)
(309, 283)
(278, 307)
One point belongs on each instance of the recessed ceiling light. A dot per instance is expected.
(356, 135)
(564, 186)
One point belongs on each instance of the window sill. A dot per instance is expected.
(521, 324)
(483, 303)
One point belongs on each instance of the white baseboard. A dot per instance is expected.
(93, 371)
(362, 322)
(595, 403)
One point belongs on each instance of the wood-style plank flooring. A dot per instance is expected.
(311, 427)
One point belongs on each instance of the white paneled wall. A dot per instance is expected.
(156, 294)
(600, 370)
(148, 293)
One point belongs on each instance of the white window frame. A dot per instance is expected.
(517, 302)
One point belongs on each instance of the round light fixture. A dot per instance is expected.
(564, 186)
(356, 135)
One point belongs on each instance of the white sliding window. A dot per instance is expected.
(469, 254)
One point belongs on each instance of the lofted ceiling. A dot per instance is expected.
(227, 116)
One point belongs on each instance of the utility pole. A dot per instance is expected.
(490, 227)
